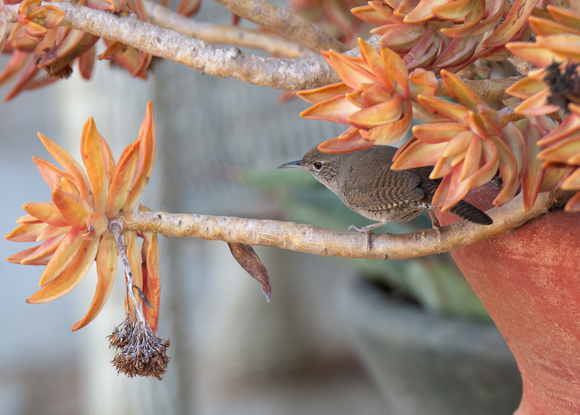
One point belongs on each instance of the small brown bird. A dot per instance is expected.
(364, 181)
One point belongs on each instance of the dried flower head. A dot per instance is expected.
(140, 352)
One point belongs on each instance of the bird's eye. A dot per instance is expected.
(317, 165)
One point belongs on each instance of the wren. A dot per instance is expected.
(364, 181)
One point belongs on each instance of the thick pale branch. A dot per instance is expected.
(319, 241)
(284, 22)
(226, 35)
(287, 74)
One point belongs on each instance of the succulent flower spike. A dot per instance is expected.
(375, 98)
(74, 226)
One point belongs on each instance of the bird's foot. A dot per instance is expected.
(367, 231)
(435, 222)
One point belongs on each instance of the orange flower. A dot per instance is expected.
(466, 146)
(562, 150)
(555, 51)
(75, 225)
(375, 98)
(446, 34)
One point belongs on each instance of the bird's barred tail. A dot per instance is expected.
(469, 212)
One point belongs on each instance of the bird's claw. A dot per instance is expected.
(367, 233)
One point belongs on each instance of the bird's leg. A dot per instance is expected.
(435, 221)
(367, 231)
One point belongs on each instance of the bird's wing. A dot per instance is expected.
(389, 189)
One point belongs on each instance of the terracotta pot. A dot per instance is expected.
(529, 281)
(426, 363)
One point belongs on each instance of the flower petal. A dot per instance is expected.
(51, 174)
(27, 232)
(106, 270)
(19, 256)
(119, 187)
(443, 108)
(508, 171)
(47, 212)
(70, 277)
(335, 109)
(383, 113)
(43, 252)
(348, 141)
(350, 70)
(70, 164)
(151, 281)
(376, 64)
(94, 162)
(314, 96)
(145, 160)
(418, 154)
(65, 253)
(460, 91)
(72, 208)
(438, 132)
(392, 132)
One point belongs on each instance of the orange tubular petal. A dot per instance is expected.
(397, 69)
(70, 277)
(537, 104)
(392, 132)
(573, 204)
(565, 151)
(457, 189)
(73, 209)
(70, 164)
(442, 191)
(106, 270)
(544, 27)
(572, 182)
(442, 168)
(565, 46)
(533, 173)
(565, 16)
(383, 113)
(533, 53)
(119, 187)
(422, 82)
(485, 173)
(44, 251)
(437, 132)
(92, 155)
(27, 232)
(458, 144)
(443, 108)
(370, 15)
(46, 211)
(348, 141)
(314, 96)
(569, 126)
(472, 158)
(51, 174)
(514, 21)
(350, 71)
(14, 66)
(145, 161)
(19, 256)
(108, 159)
(451, 10)
(471, 21)
(418, 154)
(508, 171)
(52, 231)
(336, 109)
(151, 281)
(526, 87)
(135, 262)
(65, 253)
(378, 67)
(28, 219)
(459, 91)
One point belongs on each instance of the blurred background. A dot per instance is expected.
(339, 336)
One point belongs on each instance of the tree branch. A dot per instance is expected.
(284, 22)
(319, 241)
(272, 44)
(286, 74)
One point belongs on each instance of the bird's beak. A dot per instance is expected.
(296, 163)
